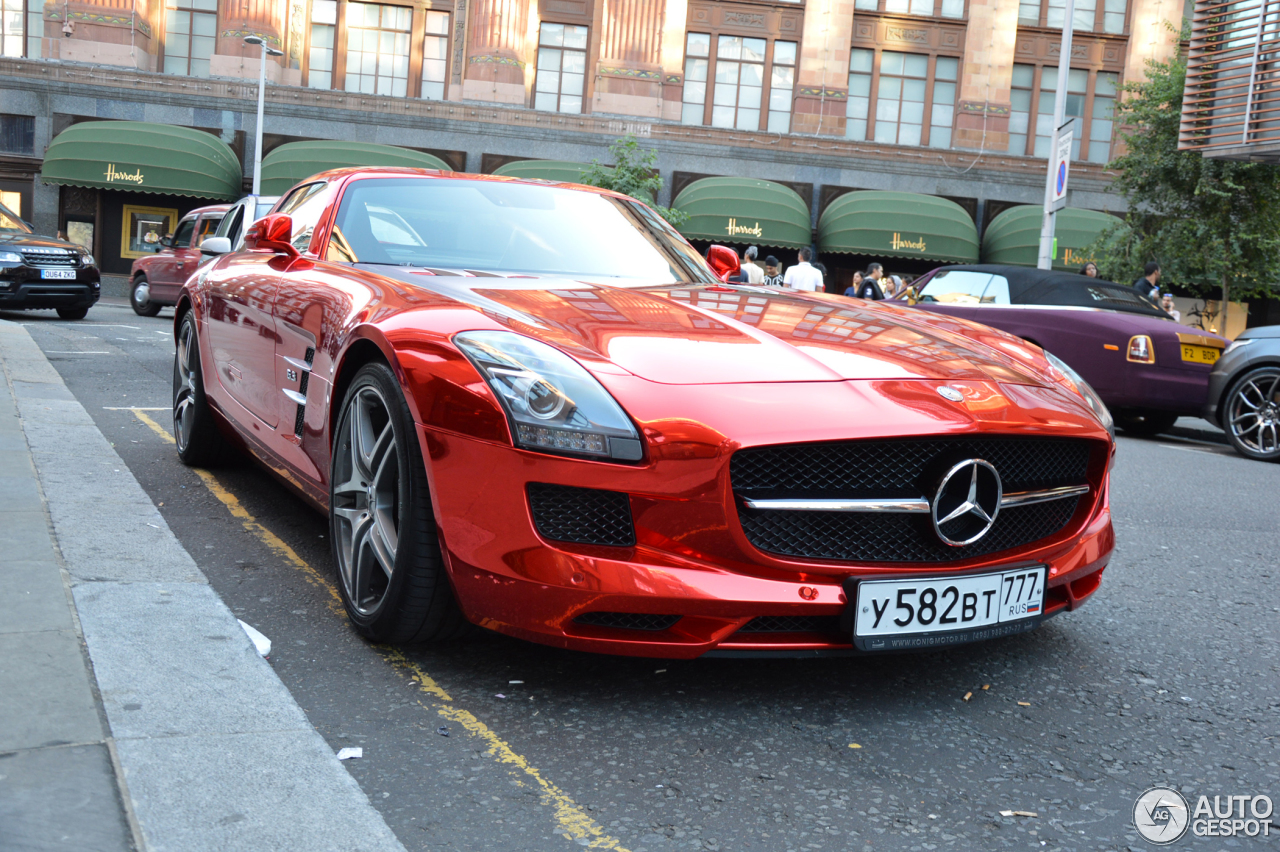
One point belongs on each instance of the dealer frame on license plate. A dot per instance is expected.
(58, 274)
(1200, 354)
(909, 613)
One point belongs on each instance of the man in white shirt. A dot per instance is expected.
(802, 276)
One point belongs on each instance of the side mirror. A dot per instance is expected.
(167, 241)
(271, 233)
(723, 262)
(215, 245)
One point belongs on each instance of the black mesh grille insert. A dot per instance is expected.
(792, 624)
(907, 467)
(890, 537)
(582, 515)
(627, 620)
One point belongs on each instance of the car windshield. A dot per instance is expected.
(509, 227)
(9, 221)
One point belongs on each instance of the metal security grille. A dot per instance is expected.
(1232, 94)
(902, 467)
(627, 620)
(581, 515)
(870, 537)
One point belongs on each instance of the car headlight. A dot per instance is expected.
(1083, 388)
(10, 257)
(1236, 344)
(553, 404)
(86, 260)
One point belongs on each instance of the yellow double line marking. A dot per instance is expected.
(573, 822)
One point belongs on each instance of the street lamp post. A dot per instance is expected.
(1045, 259)
(262, 85)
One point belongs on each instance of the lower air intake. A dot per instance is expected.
(582, 515)
(627, 620)
(792, 624)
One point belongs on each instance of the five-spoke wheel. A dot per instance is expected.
(1252, 414)
(199, 442)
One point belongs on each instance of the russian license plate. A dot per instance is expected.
(935, 611)
(1200, 354)
(65, 274)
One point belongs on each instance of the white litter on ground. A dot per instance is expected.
(262, 643)
(349, 753)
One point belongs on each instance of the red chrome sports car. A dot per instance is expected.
(534, 407)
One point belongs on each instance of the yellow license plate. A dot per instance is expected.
(1200, 354)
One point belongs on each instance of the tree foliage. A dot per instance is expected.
(1212, 224)
(634, 173)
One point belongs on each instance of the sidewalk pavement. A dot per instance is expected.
(135, 713)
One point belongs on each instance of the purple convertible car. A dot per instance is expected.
(1147, 368)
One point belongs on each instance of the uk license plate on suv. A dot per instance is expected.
(60, 274)
(929, 612)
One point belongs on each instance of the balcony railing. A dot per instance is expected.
(1231, 104)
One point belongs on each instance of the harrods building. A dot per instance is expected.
(767, 117)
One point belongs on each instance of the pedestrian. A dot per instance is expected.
(870, 287)
(772, 275)
(852, 290)
(751, 274)
(803, 276)
(822, 270)
(1166, 304)
(1089, 270)
(1149, 284)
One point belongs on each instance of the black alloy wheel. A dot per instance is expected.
(140, 298)
(195, 432)
(1145, 422)
(392, 576)
(1252, 414)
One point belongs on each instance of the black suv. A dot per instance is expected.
(43, 272)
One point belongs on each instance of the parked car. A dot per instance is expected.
(1147, 368)
(1244, 393)
(44, 272)
(534, 407)
(156, 278)
(236, 221)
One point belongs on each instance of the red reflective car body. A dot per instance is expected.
(703, 371)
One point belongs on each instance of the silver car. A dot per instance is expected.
(1244, 393)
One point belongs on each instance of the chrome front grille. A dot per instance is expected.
(50, 258)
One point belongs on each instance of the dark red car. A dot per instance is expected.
(156, 279)
(1147, 368)
(534, 408)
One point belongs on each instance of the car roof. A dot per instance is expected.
(1032, 286)
(211, 208)
(404, 171)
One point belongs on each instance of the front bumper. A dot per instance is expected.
(23, 288)
(690, 558)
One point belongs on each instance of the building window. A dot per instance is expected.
(938, 8)
(21, 27)
(902, 90)
(191, 29)
(324, 18)
(1091, 98)
(378, 49)
(562, 68)
(435, 55)
(1103, 16)
(741, 86)
(18, 135)
(696, 53)
(782, 81)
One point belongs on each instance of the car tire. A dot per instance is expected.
(1254, 396)
(199, 441)
(73, 313)
(1145, 423)
(140, 299)
(390, 569)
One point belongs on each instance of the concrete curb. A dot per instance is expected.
(215, 753)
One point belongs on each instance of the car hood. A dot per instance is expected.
(12, 238)
(688, 335)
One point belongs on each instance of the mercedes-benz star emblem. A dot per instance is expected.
(948, 392)
(967, 502)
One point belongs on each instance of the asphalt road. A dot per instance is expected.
(1170, 675)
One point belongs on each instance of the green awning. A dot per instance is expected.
(557, 170)
(1014, 236)
(898, 224)
(294, 162)
(744, 210)
(143, 157)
